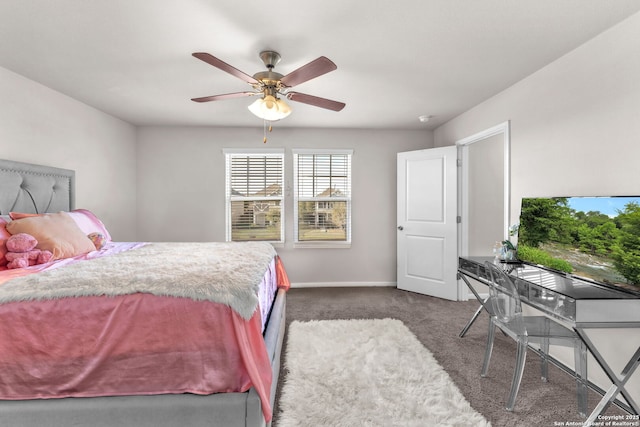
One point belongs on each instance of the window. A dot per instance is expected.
(322, 196)
(254, 197)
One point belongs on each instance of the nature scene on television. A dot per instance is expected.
(597, 238)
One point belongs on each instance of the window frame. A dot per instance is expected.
(269, 152)
(348, 199)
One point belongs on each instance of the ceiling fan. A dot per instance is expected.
(272, 86)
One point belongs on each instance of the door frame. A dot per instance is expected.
(463, 188)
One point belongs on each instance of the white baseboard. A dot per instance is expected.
(471, 297)
(343, 284)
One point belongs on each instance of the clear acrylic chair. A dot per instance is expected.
(507, 316)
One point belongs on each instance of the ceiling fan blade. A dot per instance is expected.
(224, 96)
(316, 101)
(212, 60)
(309, 71)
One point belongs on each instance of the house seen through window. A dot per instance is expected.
(322, 195)
(254, 196)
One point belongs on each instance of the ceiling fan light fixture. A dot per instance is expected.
(270, 108)
(268, 85)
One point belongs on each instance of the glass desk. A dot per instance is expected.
(579, 303)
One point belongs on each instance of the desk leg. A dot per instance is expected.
(582, 379)
(619, 382)
(473, 319)
(478, 311)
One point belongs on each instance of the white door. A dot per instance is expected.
(427, 227)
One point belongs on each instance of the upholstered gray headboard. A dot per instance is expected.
(25, 187)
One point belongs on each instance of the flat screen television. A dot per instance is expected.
(595, 238)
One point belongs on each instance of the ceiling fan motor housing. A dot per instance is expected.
(268, 78)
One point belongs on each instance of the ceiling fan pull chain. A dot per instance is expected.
(264, 132)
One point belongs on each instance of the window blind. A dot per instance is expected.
(324, 175)
(322, 196)
(254, 196)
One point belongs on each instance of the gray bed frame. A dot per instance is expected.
(32, 188)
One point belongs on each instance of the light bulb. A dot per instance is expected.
(269, 103)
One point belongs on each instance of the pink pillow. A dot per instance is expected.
(84, 218)
(20, 215)
(4, 235)
(89, 223)
(57, 233)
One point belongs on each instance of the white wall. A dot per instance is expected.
(575, 124)
(575, 130)
(485, 189)
(42, 126)
(181, 193)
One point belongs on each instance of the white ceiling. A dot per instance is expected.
(396, 60)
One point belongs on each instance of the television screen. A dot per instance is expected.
(597, 238)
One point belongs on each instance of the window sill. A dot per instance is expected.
(323, 245)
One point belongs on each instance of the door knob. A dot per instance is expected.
(400, 228)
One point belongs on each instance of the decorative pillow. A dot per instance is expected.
(20, 215)
(98, 240)
(89, 223)
(4, 235)
(57, 233)
(84, 218)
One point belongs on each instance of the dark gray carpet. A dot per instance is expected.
(437, 323)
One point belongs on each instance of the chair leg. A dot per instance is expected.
(544, 349)
(580, 359)
(544, 363)
(489, 349)
(521, 357)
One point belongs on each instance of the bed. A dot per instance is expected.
(146, 353)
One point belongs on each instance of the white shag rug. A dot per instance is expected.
(371, 372)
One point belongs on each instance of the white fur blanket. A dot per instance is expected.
(227, 273)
